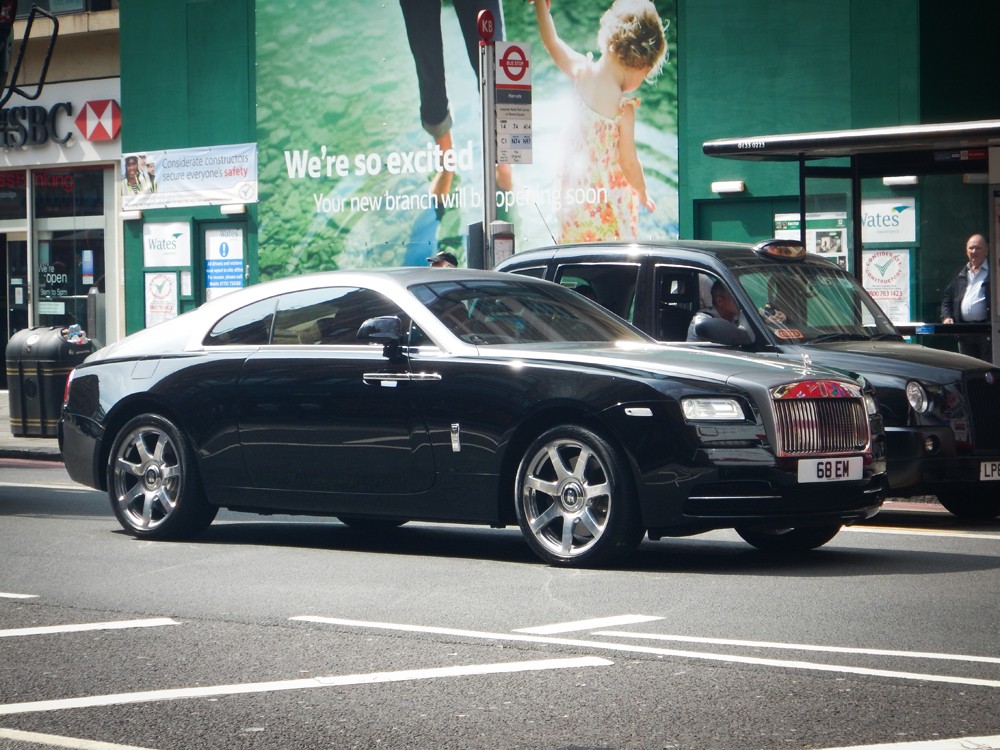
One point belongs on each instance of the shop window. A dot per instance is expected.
(13, 192)
(68, 192)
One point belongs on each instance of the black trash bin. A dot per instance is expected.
(39, 359)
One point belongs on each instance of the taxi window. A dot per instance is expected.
(611, 285)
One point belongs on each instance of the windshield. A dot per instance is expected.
(810, 303)
(513, 311)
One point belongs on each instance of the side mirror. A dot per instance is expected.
(386, 330)
(719, 331)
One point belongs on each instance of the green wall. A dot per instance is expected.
(188, 80)
(762, 67)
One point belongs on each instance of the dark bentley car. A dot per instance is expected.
(941, 409)
(465, 396)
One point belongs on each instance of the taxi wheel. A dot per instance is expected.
(969, 507)
(153, 481)
(576, 503)
(788, 541)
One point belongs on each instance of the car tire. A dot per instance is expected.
(970, 507)
(788, 541)
(575, 499)
(153, 481)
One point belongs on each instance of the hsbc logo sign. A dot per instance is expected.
(98, 120)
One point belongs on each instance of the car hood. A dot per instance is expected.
(890, 358)
(707, 364)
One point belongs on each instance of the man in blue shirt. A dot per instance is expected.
(967, 299)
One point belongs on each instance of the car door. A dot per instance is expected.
(321, 412)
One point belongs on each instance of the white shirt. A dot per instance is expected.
(974, 300)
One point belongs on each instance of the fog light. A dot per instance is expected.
(931, 445)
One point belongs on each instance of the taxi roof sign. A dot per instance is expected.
(781, 249)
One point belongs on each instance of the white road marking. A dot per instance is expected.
(604, 622)
(800, 647)
(609, 646)
(301, 684)
(54, 740)
(921, 532)
(959, 743)
(48, 486)
(4, 595)
(117, 625)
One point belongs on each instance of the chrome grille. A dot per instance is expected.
(809, 426)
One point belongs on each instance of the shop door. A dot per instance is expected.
(15, 285)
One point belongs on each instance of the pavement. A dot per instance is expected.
(36, 448)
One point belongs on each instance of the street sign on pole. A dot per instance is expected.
(513, 103)
(487, 92)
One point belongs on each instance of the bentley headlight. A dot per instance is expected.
(916, 394)
(716, 409)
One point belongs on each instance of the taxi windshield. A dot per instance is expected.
(811, 303)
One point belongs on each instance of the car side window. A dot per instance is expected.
(537, 272)
(329, 316)
(611, 285)
(248, 326)
(678, 298)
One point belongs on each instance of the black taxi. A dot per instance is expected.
(941, 409)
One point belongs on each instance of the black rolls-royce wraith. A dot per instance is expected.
(454, 395)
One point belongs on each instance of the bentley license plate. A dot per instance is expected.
(831, 469)
(989, 470)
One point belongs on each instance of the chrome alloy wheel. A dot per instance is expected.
(566, 497)
(147, 478)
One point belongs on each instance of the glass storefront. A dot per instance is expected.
(53, 233)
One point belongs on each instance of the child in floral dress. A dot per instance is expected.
(600, 182)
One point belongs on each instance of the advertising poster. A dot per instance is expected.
(350, 178)
(889, 220)
(189, 177)
(886, 276)
(224, 270)
(826, 233)
(161, 297)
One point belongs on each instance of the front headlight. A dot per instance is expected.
(716, 409)
(916, 394)
(870, 406)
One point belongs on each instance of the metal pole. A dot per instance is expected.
(487, 90)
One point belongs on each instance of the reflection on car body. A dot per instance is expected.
(465, 396)
(941, 409)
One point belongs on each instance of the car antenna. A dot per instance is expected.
(542, 217)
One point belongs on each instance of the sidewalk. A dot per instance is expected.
(38, 449)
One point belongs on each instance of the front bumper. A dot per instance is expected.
(924, 459)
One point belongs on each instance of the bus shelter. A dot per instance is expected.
(948, 173)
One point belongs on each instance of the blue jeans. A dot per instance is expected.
(423, 31)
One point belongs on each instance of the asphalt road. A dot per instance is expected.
(279, 632)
